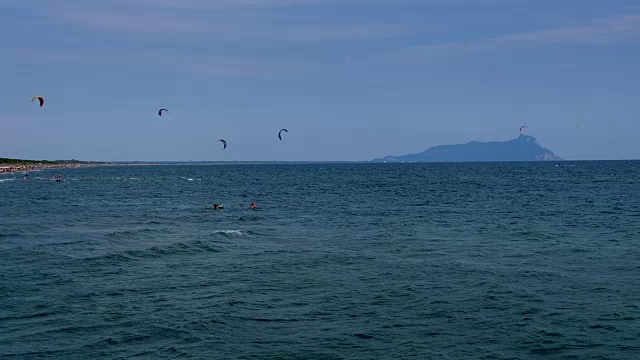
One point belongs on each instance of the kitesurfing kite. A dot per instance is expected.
(160, 111)
(40, 99)
(224, 142)
(522, 127)
(280, 132)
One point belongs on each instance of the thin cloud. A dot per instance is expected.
(225, 66)
(226, 4)
(191, 5)
(203, 19)
(145, 23)
(163, 23)
(609, 31)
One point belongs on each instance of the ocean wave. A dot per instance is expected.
(9, 179)
(250, 218)
(158, 251)
(261, 319)
(11, 234)
(128, 234)
(26, 316)
(233, 233)
(150, 222)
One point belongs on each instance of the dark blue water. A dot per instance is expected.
(495, 261)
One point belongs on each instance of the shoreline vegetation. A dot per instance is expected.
(20, 165)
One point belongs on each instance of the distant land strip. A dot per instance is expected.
(20, 165)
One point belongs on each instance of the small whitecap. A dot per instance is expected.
(232, 232)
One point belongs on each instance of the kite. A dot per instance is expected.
(40, 99)
(280, 132)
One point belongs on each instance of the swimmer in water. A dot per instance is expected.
(253, 205)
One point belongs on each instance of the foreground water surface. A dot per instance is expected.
(495, 261)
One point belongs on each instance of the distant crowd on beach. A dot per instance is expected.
(10, 169)
(22, 168)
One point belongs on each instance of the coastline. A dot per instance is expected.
(17, 167)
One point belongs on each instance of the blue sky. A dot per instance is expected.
(350, 79)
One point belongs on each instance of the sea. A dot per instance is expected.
(515, 260)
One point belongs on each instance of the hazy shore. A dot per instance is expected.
(7, 167)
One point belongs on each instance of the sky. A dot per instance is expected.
(351, 80)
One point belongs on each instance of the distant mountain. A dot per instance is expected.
(523, 148)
